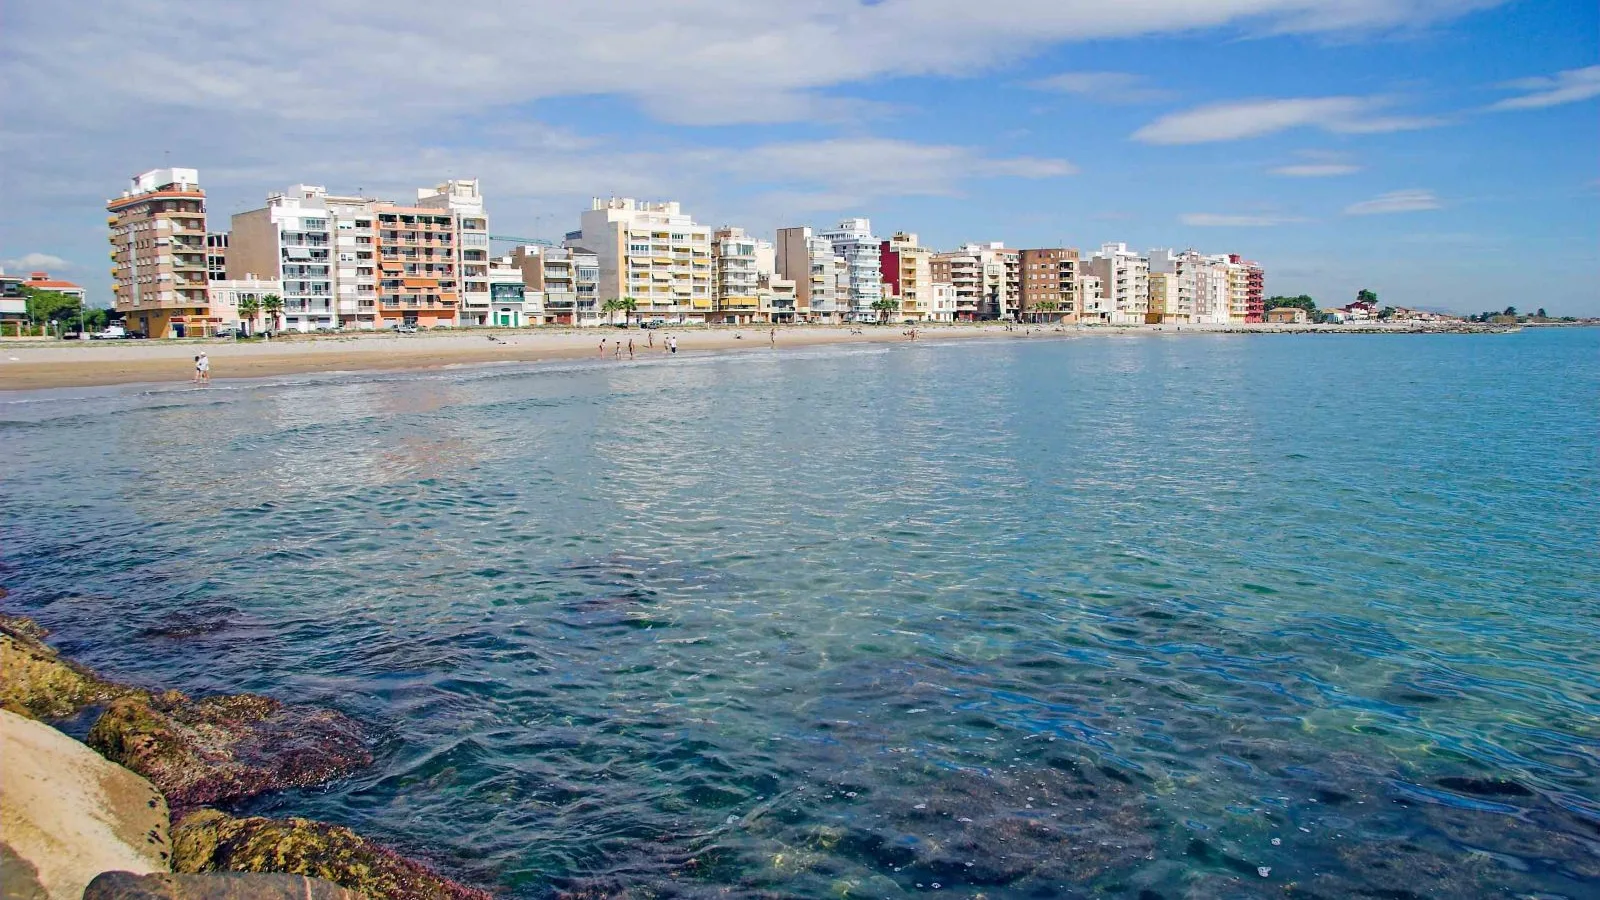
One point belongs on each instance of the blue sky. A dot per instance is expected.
(1445, 153)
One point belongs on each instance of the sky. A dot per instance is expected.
(1444, 153)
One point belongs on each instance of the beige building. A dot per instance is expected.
(987, 279)
(158, 250)
(908, 278)
(820, 276)
(1125, 282)
(464, 201)
(1049, 285)
(225, 294)
(734, 260)
(652, 252)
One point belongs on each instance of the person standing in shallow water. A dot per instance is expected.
(204, 365)
(196, 378)
(602, 348)
(630, 348)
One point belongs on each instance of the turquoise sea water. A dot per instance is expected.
(1149, 617)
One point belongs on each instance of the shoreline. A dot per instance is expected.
(41, 365)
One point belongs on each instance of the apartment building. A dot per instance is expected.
(653, 252)
(908, 277)
(1049, 285)
(563, 282)
(462, 198)
(1255, 301)
(511, 304)
(216, 255)
(289, 240)
(987, 279)
(419, 281)
(852, 241)
(1091, 298)
(158, 247)
(809, 261)
(778, 297)
(737, 275)
(225, 294)
(1125, 279)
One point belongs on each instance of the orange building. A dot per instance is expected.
(158, 247)
(417, 279)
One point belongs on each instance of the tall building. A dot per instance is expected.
(1255, 301)
(418, 273)
(1050, 284)
(908, 277)
(158, 245)
(987, 278)
(652, 252)
(1182, 276)
(733, 254)
(355, 249)
(216, 255)
(1125, 279)
(809, 261)
(853, 241)
(462, 198)
(290, 240)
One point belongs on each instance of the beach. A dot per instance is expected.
(43, 364)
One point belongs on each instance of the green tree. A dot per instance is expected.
(1366, 296)
(49, 307)
(1303, 301)
(1046, 306)
(1386, 313)
(1510, 311)
(249, 305)
(884, 308)
(272, 305)
(1541, 314)
(629, 306)
(610, 308)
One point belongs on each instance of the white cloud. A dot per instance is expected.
(1570, 86)
(1256, 118)
(1215, 220)
(33, 261)
(1316, 170)
(1394, 202)
(875, 167)
(1108, 87)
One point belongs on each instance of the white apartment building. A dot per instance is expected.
(1185, 274)
(355, 281)
(809, 261)
(224, 295)
(987, 278)
(853, 241)
(462, 197)
(511, 304)
(1125, 279)
(1092, 294)
(652, 252)
(735, 262)
(942, 301)
(290, 240)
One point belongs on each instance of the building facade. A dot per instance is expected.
(1255, 300)
(462, 198)
(511, 304)
(809, 261)
(737, 275)
(652, 252)
(565, 280)
(158, 249)
(987, 279)
(1049, 285)
(216, 255)
(1125, 281)
(853, 242)
(289, 240)
(225, 294)
(908, 277)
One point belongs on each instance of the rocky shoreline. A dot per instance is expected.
(69, 812)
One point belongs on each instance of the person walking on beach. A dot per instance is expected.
(652, 338)
(772, 337)
(196, 378)
(672, 343)
(202, 366)
(630, 347)
(602, 348)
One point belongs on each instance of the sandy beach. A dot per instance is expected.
(39, 364)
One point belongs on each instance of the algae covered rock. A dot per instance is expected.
(38, 683)
(230, 886)
(211, 841)
(220, 749)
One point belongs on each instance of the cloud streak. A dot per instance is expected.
(1107, 87)
(1257, 118)
(1571, 86)
(1415, 200)
(1316, 170)
(33, 261)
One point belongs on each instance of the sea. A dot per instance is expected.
(1145, 616)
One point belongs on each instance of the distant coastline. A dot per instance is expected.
(42, 364)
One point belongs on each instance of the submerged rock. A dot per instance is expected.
(229, 886)
(66, 814)
(221, 749)
(36, 682)
(210, 841)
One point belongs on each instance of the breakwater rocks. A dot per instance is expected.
(161, 886)
(192, 754)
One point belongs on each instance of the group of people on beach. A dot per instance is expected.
(669, 344)
(202, 369)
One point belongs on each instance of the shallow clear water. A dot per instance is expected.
(1115, 616)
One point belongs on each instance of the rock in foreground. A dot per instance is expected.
(210, 841)
(231, 886)
(36, 682)
(221, 749)
(67, 815)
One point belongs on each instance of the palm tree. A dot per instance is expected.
(249, 305)
(629, 306)
(272, 305)
(610, 308)
(884, 307)
(1047, 306)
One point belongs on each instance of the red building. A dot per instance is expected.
(1255, 304)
